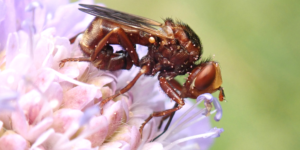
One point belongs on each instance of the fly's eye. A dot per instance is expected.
(205, 77)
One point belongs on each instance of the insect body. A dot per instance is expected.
(173, 50)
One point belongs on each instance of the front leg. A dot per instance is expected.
(124, 41)
(178, 87)
(168, 89)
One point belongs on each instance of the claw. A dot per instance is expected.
(61, 64)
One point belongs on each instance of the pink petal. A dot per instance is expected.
(52, 139)
(41, 51)
(153, 146)
(19, 122)
(66, 86)
(44, 78)
(5, 119)
(39, 148)
(69, 70)
(1, 127)
(129, 134)
(13, 142)
(99, 136)
(62, 50)
(117, 145)
(101, 81)
(9, 79)
(12, 47)
(31, 104)
(106, 92)
(42, 138)
(38, 129)
(78, 97)
(83, 144)
(21, 64)
(54, 93)
(63, 119)
(114, 114)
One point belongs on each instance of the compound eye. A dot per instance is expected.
(205, 77)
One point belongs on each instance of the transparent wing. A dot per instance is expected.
(123, 18)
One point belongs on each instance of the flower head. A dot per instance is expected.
(46, 107)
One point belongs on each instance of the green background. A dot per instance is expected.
(257, 45)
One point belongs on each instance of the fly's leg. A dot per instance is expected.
(124, 42)
(178, 87)
(164, 118)
(168, 89)
(62, 62)
(145, 69)
(107, 60)
(170, 116)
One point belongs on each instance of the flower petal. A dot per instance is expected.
(13, 142)
(21, 64)
(55, 95)
(31, 104)
(44, 78)
(129, 134)
(39, 129)
(99, 136)
(7, 21)
(114, 113)
(19, 122)
(63, 119)
(153, 146)
(43, 137)
(78, 97)
(117, 145)
(12, 47)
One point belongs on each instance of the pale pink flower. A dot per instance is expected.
(44, 107)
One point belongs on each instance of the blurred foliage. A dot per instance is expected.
(256, 43)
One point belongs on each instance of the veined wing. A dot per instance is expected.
(123, 18)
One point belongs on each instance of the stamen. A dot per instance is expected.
(188, 124)
(218, 107)
(208, 98)
(33, 5)
(66, 78)
(215, 132)
(30, 23)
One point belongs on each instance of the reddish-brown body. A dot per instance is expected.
(169, 56)
(172, 50)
